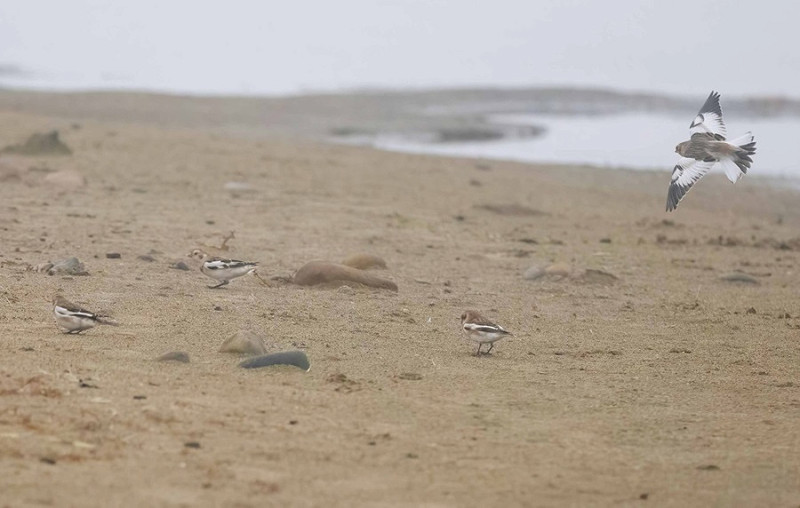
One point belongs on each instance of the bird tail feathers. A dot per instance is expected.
(746, 146)
(105, 320)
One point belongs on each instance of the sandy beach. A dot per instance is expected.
(637, 373)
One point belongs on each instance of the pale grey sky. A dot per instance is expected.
(269, 47)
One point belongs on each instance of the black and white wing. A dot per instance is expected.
(64, 307)
(227, 264)
(485, 327)
(709, 119)
(684, 175)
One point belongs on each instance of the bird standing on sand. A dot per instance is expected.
(223, 270)
(481, 330)
(707, 147)
(71, 318)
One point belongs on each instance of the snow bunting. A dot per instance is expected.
(71, 318)
(707, 147)
(223, 270)
(481, 330)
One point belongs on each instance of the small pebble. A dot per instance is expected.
(146, 257)
(180, 265)
(294, 358)
(245, 342)
(192, 444)
(113, 255)
(739, 277)
(174, 356)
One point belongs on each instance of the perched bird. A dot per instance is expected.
(223, 270)
(707, 147)
(71, 318)
(481, 330)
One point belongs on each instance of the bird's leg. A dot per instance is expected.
(224, 282)
(491, 346)
(478, 353)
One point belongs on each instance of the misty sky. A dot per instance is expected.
(271, 47)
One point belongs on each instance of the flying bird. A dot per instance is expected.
(706, 148)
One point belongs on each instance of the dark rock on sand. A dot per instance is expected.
(174, 356)
(739, 277)
(512, 210)
(320, 272)
(40, 144)
(180, 265)
(293, 358)
(68, 266)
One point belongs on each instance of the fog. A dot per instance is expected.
(250, 47)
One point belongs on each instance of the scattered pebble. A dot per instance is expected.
(556, 271)
(146, 257)
(113, 255)
(245, 342)
(751, 310)
(410, 376)
(174, 356)
(192, 444)
(739, 277)
(511, 210)
(591, 276)
(180, 265)
(47, 143)
(708, 467)
(68, 266)
(294, 358)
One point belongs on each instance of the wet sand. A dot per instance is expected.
(642, 375)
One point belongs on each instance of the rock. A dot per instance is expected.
(69, 266)
(320, 272)
(591, 276)
(146, 257)
(180, 265)
(40, 144)
(113, 255)
(174, 356)
(739, 277)
(66, 179)
(410, 376)
(294, 358)
(556, 271)
(364, 262)
(512, 210)
(245, 342)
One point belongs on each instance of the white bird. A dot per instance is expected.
(481, 330)
(223, 270)
(71, 318)
(706, 148)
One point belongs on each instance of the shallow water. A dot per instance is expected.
(635, 141)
